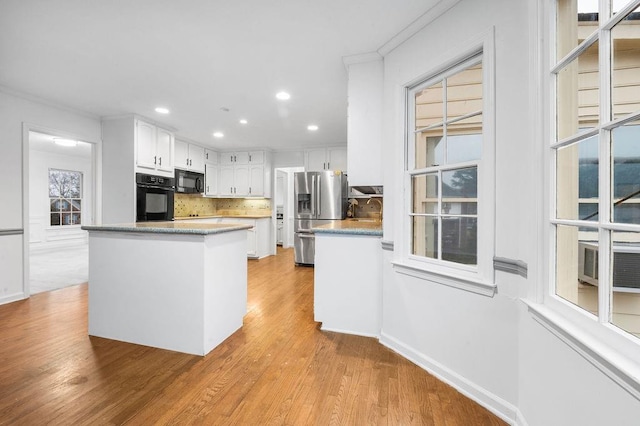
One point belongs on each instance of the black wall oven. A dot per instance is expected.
(154, 197)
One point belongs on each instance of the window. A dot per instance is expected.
(595, 154)
(65, 197)
(449, 174)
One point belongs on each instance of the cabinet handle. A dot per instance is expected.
(154, 159)
(187, 162)
(328, 166)
(207, 155)
(207, 188)
(324, 166)
(249, 190)
(249, 157)
(191, 162)
(161, 161)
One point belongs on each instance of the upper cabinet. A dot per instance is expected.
(242, 157)
(326, 159)
(189, 156)
(245, 174)
(154, 149)
(364, 118)
(210, 157)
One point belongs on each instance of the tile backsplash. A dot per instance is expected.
(197, 205)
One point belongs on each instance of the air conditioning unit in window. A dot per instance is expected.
(626, 266)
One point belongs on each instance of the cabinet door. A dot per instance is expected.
(241, 158)
(226, 184)
(316, 160)
(211, 180)
(164, 150)
(210, 156)
(145, 145)
(256, 157)
(256, 181)
(337, 159)
(196, 158)
(181, 153)
(226, 157)
(252, 242)
(241, 180)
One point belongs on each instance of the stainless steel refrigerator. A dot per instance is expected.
(320, 197)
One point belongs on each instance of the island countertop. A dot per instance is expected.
(351, 227)
(226, 216)
(169, 227)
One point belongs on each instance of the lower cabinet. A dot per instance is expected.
(258, 237)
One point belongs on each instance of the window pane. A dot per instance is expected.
(76, 219)
(578, 94)
(55, 219)
(625, 76)
(55, 205)
(429, 106)
(429, 148)
(576, 20)
(425, 193)
(65, 205)
(464, 92)
(460, 192)
(626, 173)
(75, 205)
(577, 180)
(463, 148)
(626, 281)
(425, 236)
(577, 266)
(459, 240)
(66, 218)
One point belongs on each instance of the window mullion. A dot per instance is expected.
(605, 276)
(439, 214)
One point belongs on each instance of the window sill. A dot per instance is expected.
(620, 368)
(463, 283)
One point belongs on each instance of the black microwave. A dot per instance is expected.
(189, 182)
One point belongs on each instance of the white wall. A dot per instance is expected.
(489, 347)
(42, 235)
(14, 112)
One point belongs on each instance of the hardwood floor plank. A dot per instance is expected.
(279, 369)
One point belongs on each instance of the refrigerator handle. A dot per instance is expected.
(313, 196)
(319, 197)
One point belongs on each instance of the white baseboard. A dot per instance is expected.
(488, 400)
(12, 298)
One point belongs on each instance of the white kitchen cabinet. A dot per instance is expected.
(258, 237)
(210, 179)
(245, 174)
(154, 149)
(210, 156)
(364, 118)
(189, 156)
(326, 159)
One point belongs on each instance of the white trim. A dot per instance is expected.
(463, 283)
(413, 28)
(361, 58)
(610, 361)
(344, 331)
(471, 390)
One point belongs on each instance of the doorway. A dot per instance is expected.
(60, 200)
(283, 196)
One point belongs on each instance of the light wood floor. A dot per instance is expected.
(278, 369)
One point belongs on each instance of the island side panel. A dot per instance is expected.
(147, 289)
(347, 283)
(225, 290)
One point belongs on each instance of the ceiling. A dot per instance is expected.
(210, 62)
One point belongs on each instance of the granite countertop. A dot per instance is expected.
(239, 216)
(189, 228)
(351, 227)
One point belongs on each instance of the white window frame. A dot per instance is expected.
(480, 278)
(81, 198)
(607, 347)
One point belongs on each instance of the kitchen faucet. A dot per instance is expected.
(379, 202)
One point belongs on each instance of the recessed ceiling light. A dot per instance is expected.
(283, 96)
(65, 142)
(218, 135)
(243, 121)
(312, 127)
(162, 110)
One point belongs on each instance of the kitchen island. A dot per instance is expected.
(170, 285)
(348, 276)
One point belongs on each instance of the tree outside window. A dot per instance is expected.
(65, 197)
